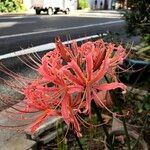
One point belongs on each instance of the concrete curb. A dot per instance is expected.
(19, 143)
(12, 139)
(44, 47)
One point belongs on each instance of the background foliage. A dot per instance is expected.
(11, 6)
(83, 4)
(138, 18)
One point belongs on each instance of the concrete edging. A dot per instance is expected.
(44, 47)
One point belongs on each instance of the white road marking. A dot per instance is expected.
(16, 17)
(12, 23)
(64, 29)
(7, 24)
(43, 47)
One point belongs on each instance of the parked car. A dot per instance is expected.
(51, 6)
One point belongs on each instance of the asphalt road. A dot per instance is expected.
(24, 31)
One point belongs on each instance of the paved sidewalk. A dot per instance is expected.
(98, 13)
(29, 12)
(84, 12)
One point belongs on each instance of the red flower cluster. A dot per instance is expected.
(70, 78)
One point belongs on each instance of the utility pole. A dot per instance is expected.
(77, 4)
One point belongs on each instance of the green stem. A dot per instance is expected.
(124, 123)
(118, 104)
(144, 124)
(78, 140)
(99, 117)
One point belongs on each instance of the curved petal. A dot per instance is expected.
(65, 109)
(100, 73)
(71, 77)
(88, 100)
(42, 118)
(89, 66)
(110, 86)
(75, 89)
(73, 65)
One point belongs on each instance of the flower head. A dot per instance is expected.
(72, 77)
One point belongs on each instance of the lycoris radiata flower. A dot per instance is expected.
(70, 78)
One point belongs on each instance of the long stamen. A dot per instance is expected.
(27, 62)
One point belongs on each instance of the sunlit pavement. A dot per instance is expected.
(86, 12)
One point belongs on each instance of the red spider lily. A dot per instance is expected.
(90, 80)
(72, 77)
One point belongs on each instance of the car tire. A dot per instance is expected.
(67, 11)
(49, 11)
(37, 12)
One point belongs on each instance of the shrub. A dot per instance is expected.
(83, 4)
(137, 18)
(11, 6)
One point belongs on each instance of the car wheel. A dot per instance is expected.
(67, 11)
(37, 12)
(50, 11)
